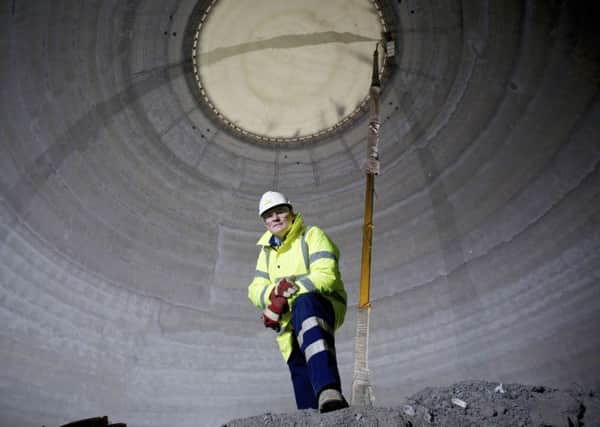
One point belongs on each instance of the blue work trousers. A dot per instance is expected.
(313, 364)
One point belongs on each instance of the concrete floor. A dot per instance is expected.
(128, 217)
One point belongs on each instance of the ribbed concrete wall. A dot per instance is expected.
(128, 220)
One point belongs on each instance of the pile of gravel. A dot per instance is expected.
(468, 403)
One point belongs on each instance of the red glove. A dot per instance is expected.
(270, 323)
(286, 288)
(279, 304)
(273, 312)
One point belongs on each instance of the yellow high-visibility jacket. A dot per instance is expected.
(309, 255)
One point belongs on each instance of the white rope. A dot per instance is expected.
(362, 392)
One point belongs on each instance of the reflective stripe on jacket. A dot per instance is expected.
(308, 254)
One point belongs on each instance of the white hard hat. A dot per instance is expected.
(270, 200)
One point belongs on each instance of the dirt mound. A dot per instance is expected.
(468, 403)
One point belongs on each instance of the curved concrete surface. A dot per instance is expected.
(128, 220)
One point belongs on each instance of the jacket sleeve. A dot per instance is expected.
(323, 256)
(260, 288)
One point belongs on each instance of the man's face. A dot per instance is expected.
(278, 220)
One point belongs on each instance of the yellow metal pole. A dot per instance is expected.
(365, 264)
(372, 170)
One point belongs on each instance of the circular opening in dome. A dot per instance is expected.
(279, 71)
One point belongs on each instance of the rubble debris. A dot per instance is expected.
(459, 402)
(518, 405)
(409, 410)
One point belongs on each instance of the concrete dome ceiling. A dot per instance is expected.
(128, 215)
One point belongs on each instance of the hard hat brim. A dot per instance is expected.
(275, 206)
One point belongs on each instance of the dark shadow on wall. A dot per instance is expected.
(461, 290)
(78, 137)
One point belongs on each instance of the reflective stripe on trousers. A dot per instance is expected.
(313, 322)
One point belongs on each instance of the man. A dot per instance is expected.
(300, 290)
